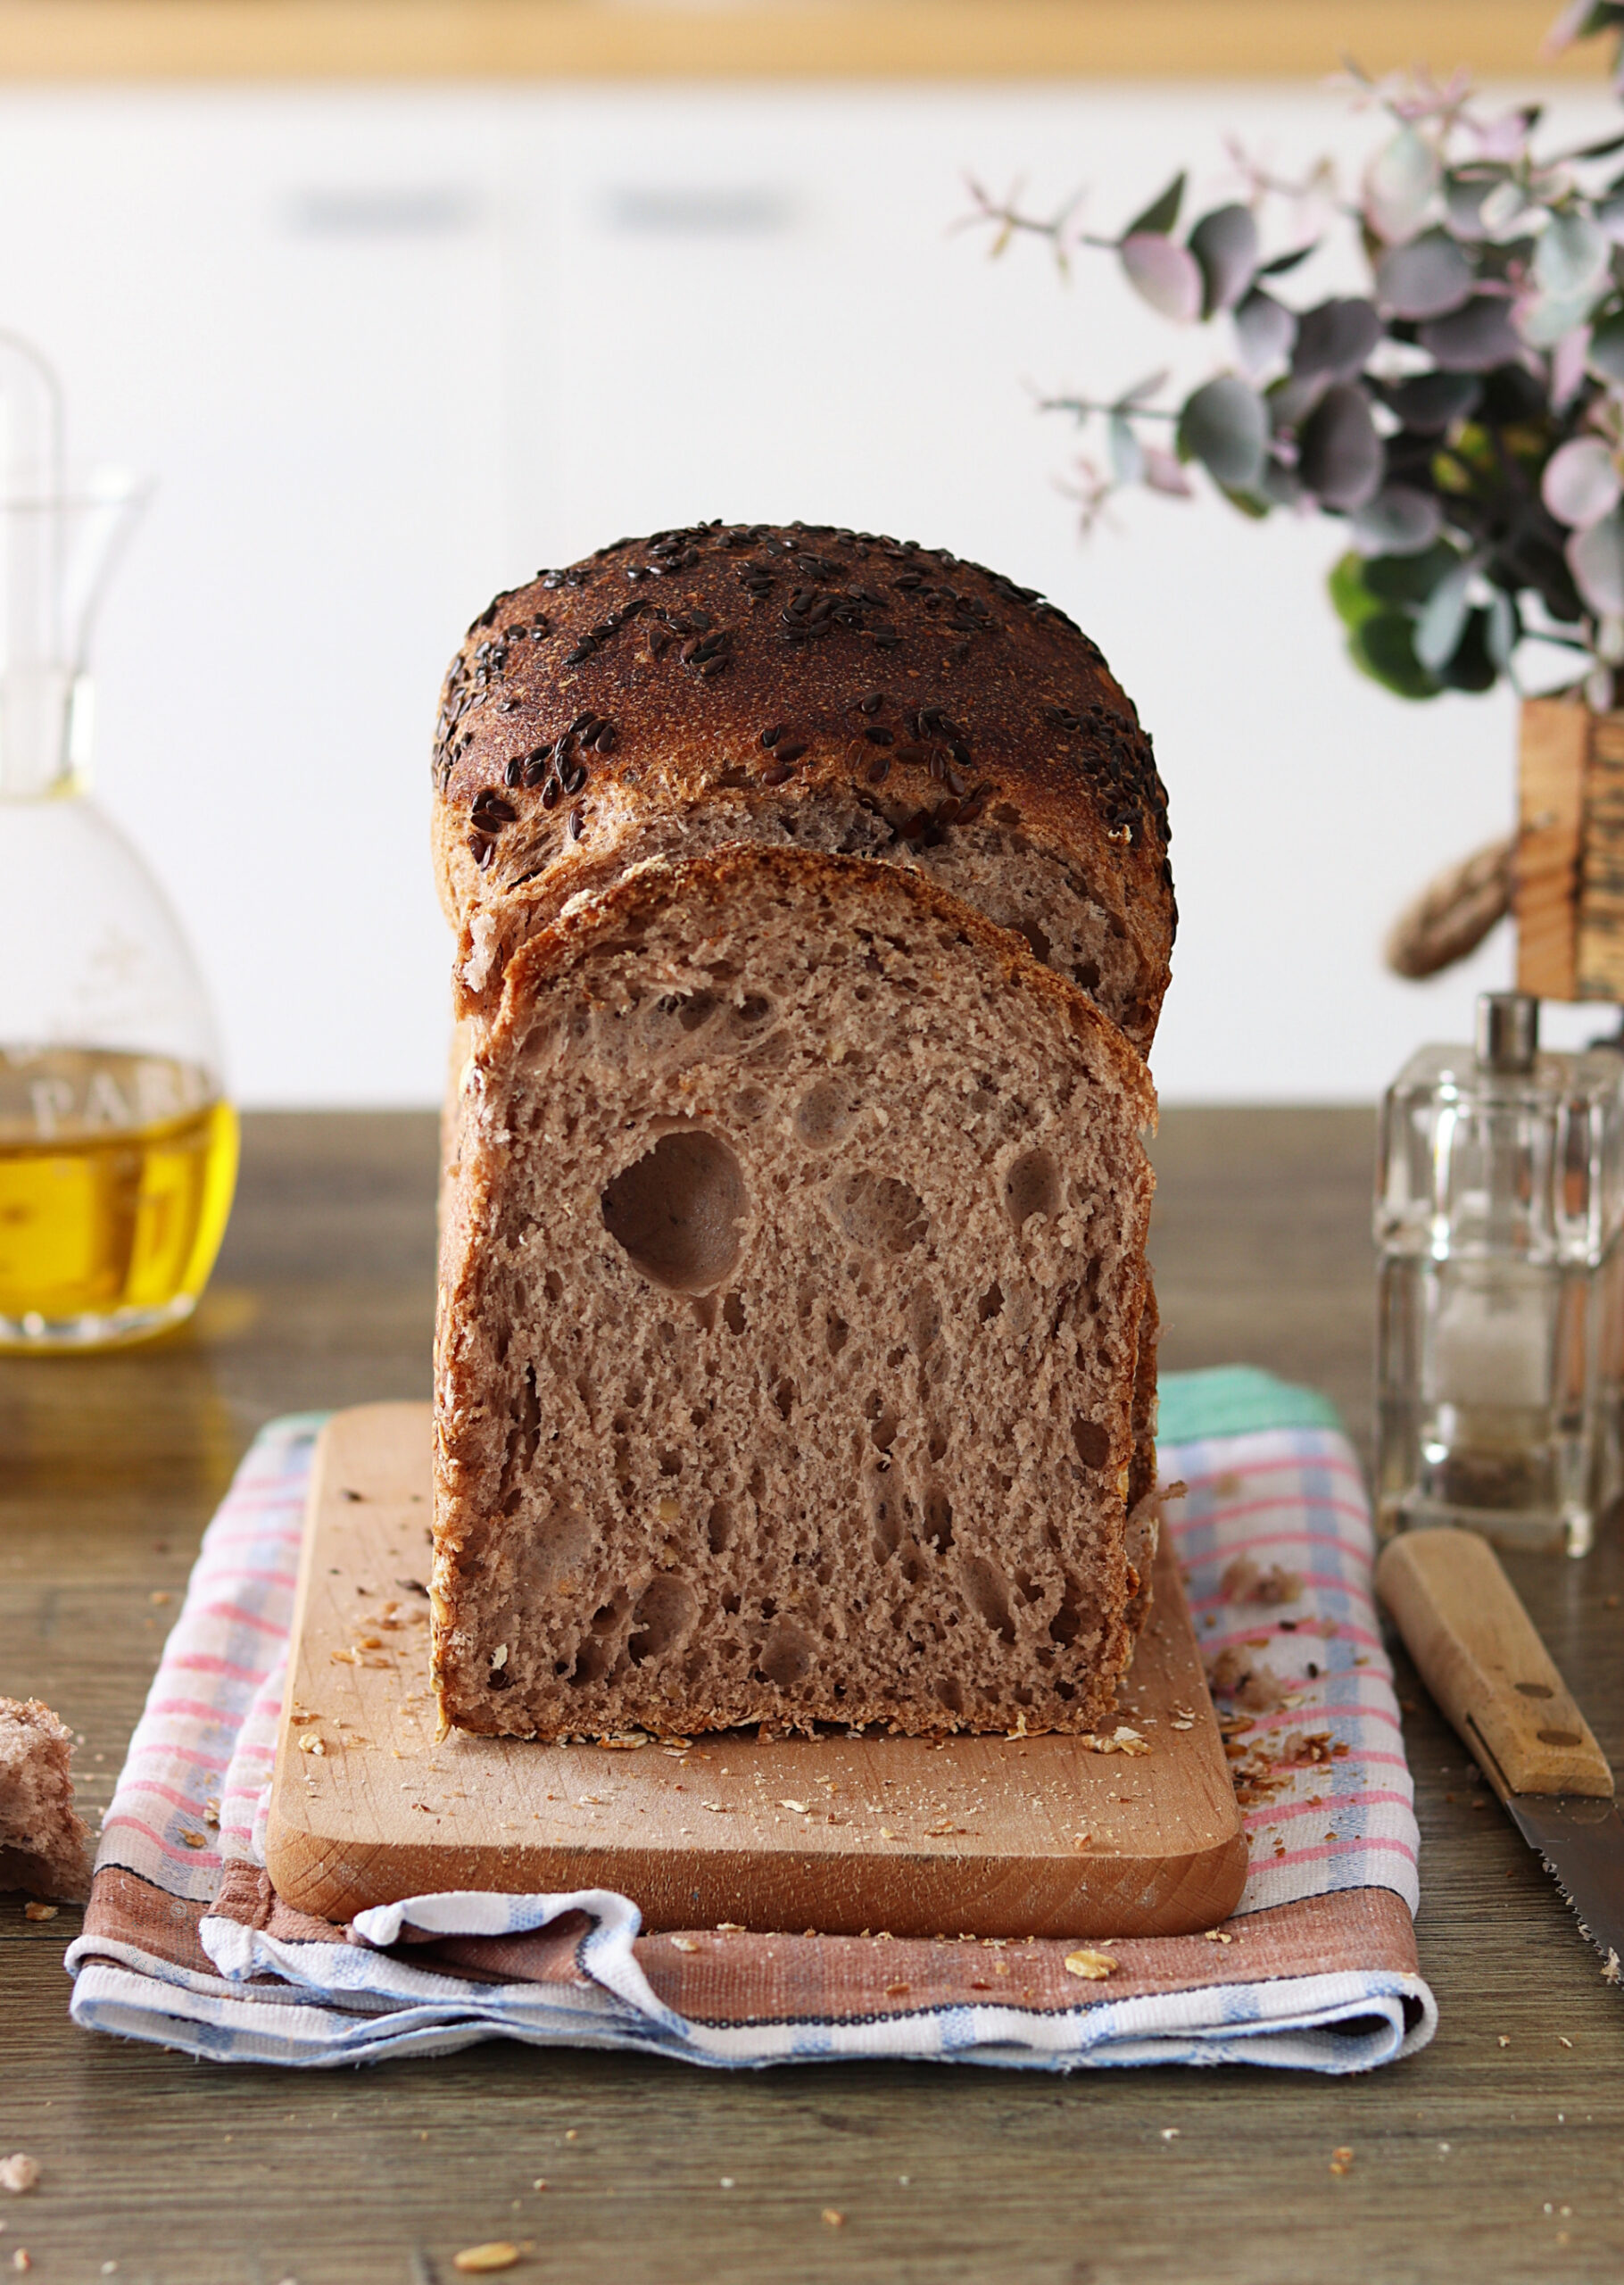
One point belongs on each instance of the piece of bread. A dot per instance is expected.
(44, 1843)
(811, 688)
(792, 1359)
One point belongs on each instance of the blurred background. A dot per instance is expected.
(397, 302)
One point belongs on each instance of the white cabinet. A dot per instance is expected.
(388, 351)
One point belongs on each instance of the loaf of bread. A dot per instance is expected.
(796, 1348)
(43, 1841)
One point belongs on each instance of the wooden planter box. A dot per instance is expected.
(1568, 900)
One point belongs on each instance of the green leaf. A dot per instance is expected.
(1162, 213)
(1472, 667)
(1383, 646)
(1350, 595)
(1409, 580)
(1282, 262)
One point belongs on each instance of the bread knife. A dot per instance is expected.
(1478, 1652)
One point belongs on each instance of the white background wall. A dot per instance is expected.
(385, 351)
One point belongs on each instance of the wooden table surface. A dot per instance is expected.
(1499, 2153)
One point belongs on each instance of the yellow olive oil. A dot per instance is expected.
(116, 1178)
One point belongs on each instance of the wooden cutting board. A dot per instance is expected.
(986, 1836)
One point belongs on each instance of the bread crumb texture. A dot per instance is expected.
(794, 1346)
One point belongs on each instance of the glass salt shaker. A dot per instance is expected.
(118, 1145)
(1501, 1330)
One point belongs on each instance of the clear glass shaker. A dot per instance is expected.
(1501, 1334)
(118, 1146)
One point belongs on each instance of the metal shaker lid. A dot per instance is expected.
(1508, 1030)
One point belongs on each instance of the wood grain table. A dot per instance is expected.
(1496, 2154)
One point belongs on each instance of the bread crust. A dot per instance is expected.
(922, 706)
(469, 1437)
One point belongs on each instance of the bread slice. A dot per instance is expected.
(44, 1843)
(789, 1347)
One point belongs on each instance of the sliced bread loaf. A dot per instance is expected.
(43, 1841)
(794, 1348)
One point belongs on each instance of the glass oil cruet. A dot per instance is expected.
(118, 1148)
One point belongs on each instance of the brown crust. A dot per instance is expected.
(688, 646)
(471, 1203)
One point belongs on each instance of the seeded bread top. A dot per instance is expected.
(784, 664)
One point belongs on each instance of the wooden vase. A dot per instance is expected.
(1569, 897)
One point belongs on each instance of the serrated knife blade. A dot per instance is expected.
(1478, 1652)
(1582, 1843)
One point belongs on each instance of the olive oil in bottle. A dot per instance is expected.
(116, 1178)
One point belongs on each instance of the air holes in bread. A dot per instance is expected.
(719, 1527)
(836, 1335)
(987, 1591)
(1031, 1186)
(664, 1619)
(732, 1313)
(822, 1115)
(951, 1692)
(1035, 937)
(1086, 973)
(1074, 1615)
(938, 1521)
(752, 1012)
(787, 1653)
(991, 1302)
(1092, 1441)
(879, 1213)
(677, 1209)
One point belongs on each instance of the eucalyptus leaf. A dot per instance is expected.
(1474, 338)
(1162, 213)
(1581, 483)
(1383, 646)
(1225, 426)
(1225, 244)
(1429, 404)
(1127, 454)
(1265, 330)
(1400, 521)
(1424, 279)
(1280, 264)
(1437, 630)
(1340, 457)
(1472, 665)
(1399, 186)
(1596, 558)
(1463, 200)
(1505, 206)
(1550, 317)
(1610, 217)
(1166, 275)
(1606, 358)
(1571, 256)
(1410, 579)
(1141, 391)
(1350, 592)
(1335, 337)
(1505, 629)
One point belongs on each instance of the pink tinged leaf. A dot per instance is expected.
(1424, 279)
(1581, 483)
(1340, 457)
(1505, 138)
(1225, 244)
(1568, 359)
(1543, 318)
(1166, 275)
(1569, 26)
(1473, 339)
(1400, 184)
(1264, 331)
(1596, 558)
(1163, 473)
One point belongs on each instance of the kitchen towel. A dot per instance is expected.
(185, 1941)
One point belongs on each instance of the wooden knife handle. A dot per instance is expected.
(1480, 1658)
